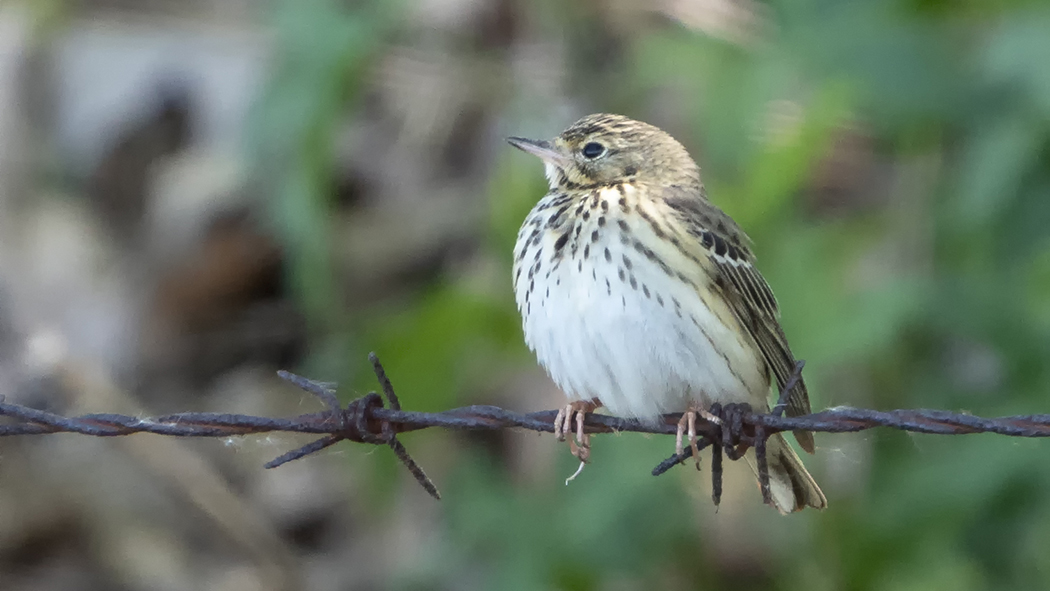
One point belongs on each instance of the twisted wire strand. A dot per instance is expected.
(369, 420)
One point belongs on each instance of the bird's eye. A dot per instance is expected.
(592, 150)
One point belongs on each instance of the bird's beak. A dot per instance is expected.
(541, 149)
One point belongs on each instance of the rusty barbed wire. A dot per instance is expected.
(368, 420)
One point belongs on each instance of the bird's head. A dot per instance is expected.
(605, 149)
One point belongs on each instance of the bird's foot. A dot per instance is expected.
(687, 428)
(573, 415)
(709, 416)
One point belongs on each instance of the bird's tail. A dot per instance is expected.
(790, 485)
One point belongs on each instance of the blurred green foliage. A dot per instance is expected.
(936, 293)
(323, 52)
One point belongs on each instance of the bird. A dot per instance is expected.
(639, 295)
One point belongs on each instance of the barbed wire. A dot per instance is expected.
(368, 420)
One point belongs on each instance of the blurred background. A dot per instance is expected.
(196, 193)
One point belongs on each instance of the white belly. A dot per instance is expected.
(643, 347)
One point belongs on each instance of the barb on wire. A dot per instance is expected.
(369, 420)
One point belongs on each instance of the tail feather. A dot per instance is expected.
(790, 485)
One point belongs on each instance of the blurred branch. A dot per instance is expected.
(367, 420)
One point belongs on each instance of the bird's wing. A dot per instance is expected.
(718, 238)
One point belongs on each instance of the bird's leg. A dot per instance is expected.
(559, 422)
(687, 426)
(583, 439)
(581, 448)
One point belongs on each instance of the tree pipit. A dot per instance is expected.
(640, 295)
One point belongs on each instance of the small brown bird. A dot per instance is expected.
(639, 295)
